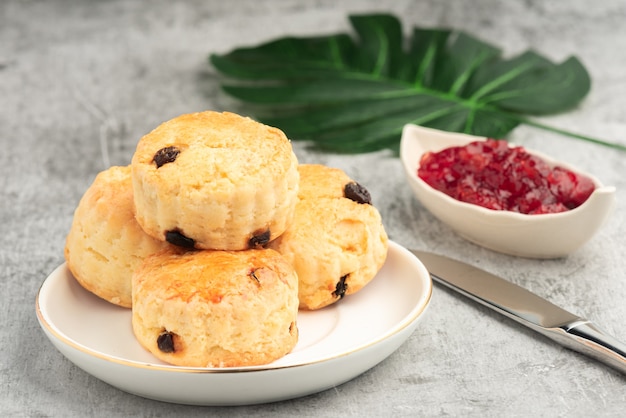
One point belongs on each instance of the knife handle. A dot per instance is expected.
(586, 338)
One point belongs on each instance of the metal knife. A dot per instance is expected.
(527, 308)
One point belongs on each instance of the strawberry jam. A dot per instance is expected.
(495, 176)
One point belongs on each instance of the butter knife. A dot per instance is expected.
(527, 308)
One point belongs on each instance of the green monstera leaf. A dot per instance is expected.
(355, 93)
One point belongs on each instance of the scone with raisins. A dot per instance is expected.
(337, 242)
(216, 308)
(105, 243)
(212, 180)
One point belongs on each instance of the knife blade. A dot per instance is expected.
(527, 308)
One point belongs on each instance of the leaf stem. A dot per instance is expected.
(560, 131)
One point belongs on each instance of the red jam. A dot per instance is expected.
(493, 175)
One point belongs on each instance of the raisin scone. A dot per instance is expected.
(212, 180)
(210, 308)
(337, 242)
(105, 243)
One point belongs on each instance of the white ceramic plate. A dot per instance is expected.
(336, 343)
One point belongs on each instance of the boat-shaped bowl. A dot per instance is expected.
(551, 235)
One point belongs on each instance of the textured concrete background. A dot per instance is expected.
(81, 82)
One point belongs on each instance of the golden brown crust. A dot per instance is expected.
(105, 243)
(222, 308)
(231, 178)
(317, 181)
(335, 244)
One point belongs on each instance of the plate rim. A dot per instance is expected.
(414, 314)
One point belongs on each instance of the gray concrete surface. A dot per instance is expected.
(81, 81)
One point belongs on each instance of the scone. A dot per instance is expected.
(105, 243)
(337, 242)
(213, 180)
(216, 308)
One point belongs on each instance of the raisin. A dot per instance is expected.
(165, 155)
(354, 191)
(341, 287)
(177, 238)
(259, 238)
(253, 275)
(165, 342)
(292, 328)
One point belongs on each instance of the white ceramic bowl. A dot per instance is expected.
(534, 236)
